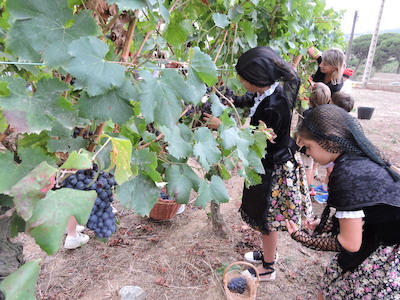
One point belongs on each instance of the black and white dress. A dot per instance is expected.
(283, 193)
(358, 187)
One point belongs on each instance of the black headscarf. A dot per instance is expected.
(262, 67)
(335, 130)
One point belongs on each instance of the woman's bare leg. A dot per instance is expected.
(270, 242)
(320, 296)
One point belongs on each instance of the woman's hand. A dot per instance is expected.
(212, 122)
(311, 225)
(291, 226)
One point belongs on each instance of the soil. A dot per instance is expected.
(183, 258)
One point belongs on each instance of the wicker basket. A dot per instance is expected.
(164, 209)
(251, 290)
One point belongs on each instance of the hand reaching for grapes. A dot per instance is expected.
(212, 122)
(311, 225)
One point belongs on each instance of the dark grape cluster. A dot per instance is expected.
(237, 285)
(205, 107)
(85, 133)
(165, 196)
(224, 90)
(102, 219)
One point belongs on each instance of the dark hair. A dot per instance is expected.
(343, 100)
(336, 131)
(262, 67)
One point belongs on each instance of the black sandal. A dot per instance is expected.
(267, 265)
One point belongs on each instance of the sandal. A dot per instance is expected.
(251, 273)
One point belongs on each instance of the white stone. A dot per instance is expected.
(131, 292)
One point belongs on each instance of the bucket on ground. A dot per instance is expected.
(365, 112)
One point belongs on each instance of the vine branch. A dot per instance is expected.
(161, 21)
(130, 33)
(99, 131)
(161, 135)
(231, 104)
(220, 47)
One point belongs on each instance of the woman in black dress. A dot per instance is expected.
(364, 195)
(272, 87)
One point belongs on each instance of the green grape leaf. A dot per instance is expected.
(32, 113)
(91, 69)
(31, 140)
(250, 176)
(177, 146)
(226, 120)
(31, 188)
(4, 90)
(220, 20)
(191, 90)
(217, 108)
(11, 173)
(128, 4)
(225, 174)
(243, 142)
(120, 156)
(51, 214)
(3, 122)
(215, 190)
(206, 148)
(196, 88)
(21, 284)
(229, 137)
(138, 193)
(175, 33)
(48, 28)
(158, 98)
(67, 144)
(32, 157)
(181, 180)
(235, 13)
(305, 104)
(203, 66)
(254, 161)
(146, 160)
(113, 104)
(248, 28)
(260, 144)
(78, 160)
(163, 11)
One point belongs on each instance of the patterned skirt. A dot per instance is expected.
(378, 277)
(284, 196)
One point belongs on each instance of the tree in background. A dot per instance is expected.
(387, 51)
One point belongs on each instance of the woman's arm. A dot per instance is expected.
(313, 53)
(350, 234)
(349, 237)
(247, 100)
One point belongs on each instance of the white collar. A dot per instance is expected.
(259, 98)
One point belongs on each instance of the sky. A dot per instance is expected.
(368, 11)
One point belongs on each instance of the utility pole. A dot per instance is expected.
(351, 38)
(372, 47)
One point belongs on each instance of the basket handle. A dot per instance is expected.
(241, 263)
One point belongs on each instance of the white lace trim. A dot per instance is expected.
(350, 214)
(260, 98)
